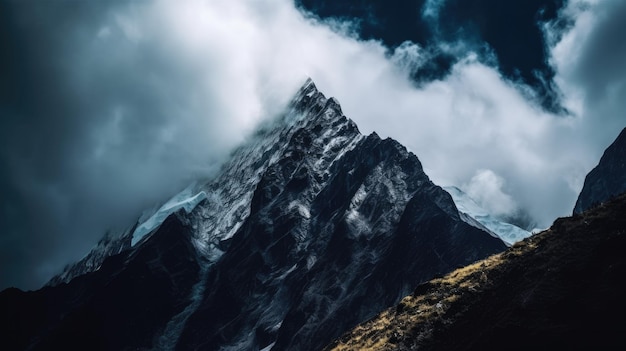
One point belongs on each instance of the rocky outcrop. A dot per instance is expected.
(607, 179)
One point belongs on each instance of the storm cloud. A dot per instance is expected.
(109, 109)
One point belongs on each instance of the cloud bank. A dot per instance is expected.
(109, 109)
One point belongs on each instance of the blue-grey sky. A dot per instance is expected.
(108, 108)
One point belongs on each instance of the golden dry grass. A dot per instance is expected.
(415, 315)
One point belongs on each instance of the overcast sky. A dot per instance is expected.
(109, 108)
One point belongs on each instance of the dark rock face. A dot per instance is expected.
(300, 277)
(607, 179)
(310, 229)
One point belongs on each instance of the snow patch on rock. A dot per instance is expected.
(186, 200)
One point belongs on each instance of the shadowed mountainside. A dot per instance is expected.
(561, 288)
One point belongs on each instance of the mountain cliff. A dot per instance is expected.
(309, 228)
(607, 179)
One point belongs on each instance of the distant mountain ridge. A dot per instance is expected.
(309, 229)
(477, 216)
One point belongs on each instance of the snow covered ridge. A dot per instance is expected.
(186, 200)
(509, 233)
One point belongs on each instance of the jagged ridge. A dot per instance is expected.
(330, 220)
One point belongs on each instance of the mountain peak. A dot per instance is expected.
(309, 99)
(309, 84)
(322, 226)
(308, 92)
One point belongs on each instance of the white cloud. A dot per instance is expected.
(246, 58)
(409, 57)
(487, 188)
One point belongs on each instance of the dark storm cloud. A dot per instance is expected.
(589, 59)
(393, 22)
(601, 67)
(512, 29)
(30, 92)
(94, 128)
(508, 31)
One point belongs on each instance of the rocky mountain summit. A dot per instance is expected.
(309, 229)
